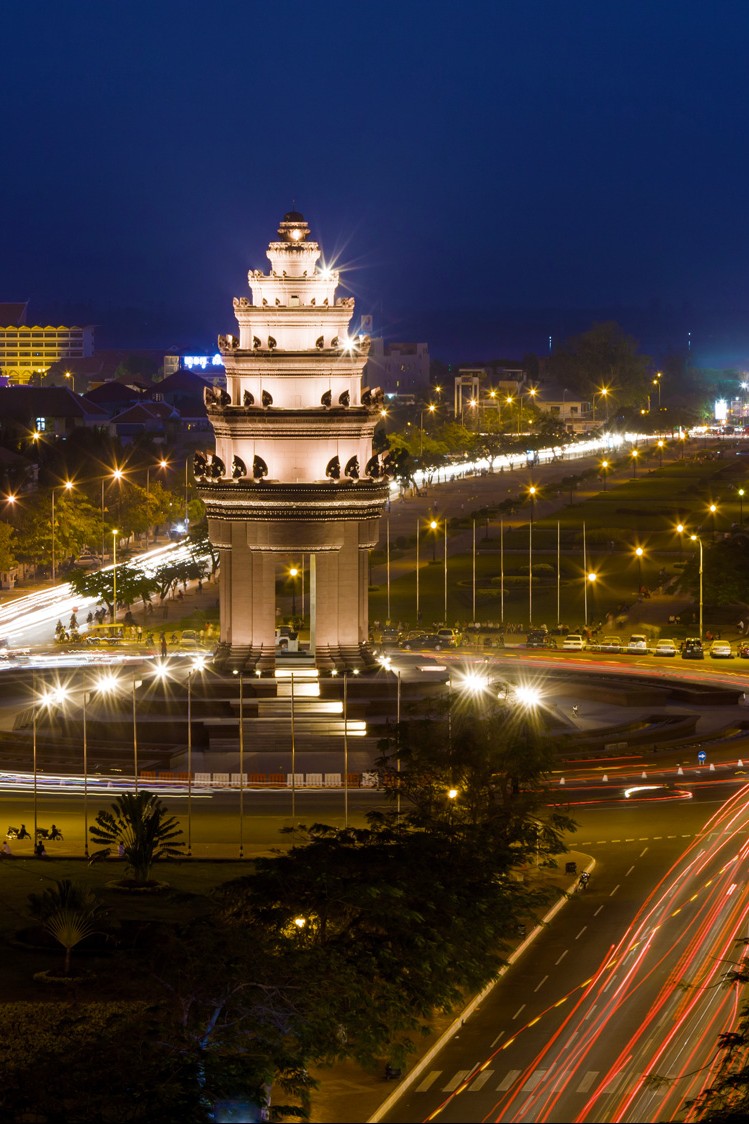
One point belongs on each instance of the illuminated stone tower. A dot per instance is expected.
(293, 472)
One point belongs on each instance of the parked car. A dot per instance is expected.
(449, 637)
(637, 645)
(611, 644)
(721, 650)
(665, 648)
(573, 642)
(87, 560)
(692, 649)
(742, 650)
(422, 640)
(539, 638)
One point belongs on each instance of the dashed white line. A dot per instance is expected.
(508, 1080)
(522, 1008)
(629, 871)
(657, 837)
(616, 840)
(561, 958)
(630, 840)
(587, 1081)
(533, 1080)
(480, 1081)
(540, 983)
(577, 938)
(614, 890)
(598, 911)
(428, 1081)
(453, 1084)
(643, 851)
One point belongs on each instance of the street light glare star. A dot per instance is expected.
(527, 696)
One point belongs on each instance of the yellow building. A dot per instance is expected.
(27, 351)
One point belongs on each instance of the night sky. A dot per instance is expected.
(489, 173)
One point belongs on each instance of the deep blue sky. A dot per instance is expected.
(464, 160)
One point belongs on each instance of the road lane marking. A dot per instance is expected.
(616, 840)
(587, 1081)
(540, 984)
(671, 837)
(452, 1085)
(518, 1012)
(508, 1081)
(614, 891)
(630, 840)
(643, 839)
(532, 1081)
(428, 1081)
(480, 1081)
(496, 1040)
(629, 871)
(657, 837)
(577, 938)
(643, 851)
(598, 911)
(561, 958)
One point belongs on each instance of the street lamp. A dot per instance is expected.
(434, 527)
(741, 495)
(293, 574)
(71, 376)
(67, 487)
(660, 445)
(590, 579)
(657, 382)
(603, 392)
(638, 555)
(713, 509)
(431, 408)
(634, 453)
(532, 492)
(115, 533)
(605, 472)
(698, 540)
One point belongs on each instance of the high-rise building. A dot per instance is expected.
(293, 476)
(26, 352)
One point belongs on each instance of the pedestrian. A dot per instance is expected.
(39, 850)
(163, 644)
(120, 850)
(7, 853)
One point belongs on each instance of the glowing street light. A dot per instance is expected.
(713, 509)
(590, 580)
(741, 494)
(293, 574)
(434, 527)
(660, 445)
(634, 453)
(605, 471)
(66, 487)
(639, 552)
(698, 540)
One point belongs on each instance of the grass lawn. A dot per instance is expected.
(139, 918)
(630, 513)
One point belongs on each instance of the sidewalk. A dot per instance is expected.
(351, 1095)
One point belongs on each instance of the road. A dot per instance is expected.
(598, 1005)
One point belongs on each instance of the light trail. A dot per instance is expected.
(647, 1023)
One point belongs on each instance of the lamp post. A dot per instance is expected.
(114, 575)
(741, 495)
(660, 445)
(434, 527)
(603, 393)
(713, 509)
(67, 487)
(638, 555)
(698, 540)
(604, 472)
(430, 409)
(445, 570)
(71, 376)
(532, 492)
(418, 605)
(657, 382)
(293, 574)
(590, 580)
(634, 454)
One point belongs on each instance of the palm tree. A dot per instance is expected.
(140, 824)
(69, 912)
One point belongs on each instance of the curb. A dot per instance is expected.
(471, 1006)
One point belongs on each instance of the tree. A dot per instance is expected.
(141, 824)
(77, 524)
(69, 912)
(132, 583)
(604, 356)
(8, 557)
(725, 571)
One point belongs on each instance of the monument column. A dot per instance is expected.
(293, 470)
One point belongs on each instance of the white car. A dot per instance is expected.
(665, 648)
(573, 643)
(637, 645)
(611, 644)
(720, 650)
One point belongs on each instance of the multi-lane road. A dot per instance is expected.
(613, 1011)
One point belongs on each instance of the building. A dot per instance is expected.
(399, 368)
(293, 474)
(32, 413)
(575, 413)
(27, 352)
